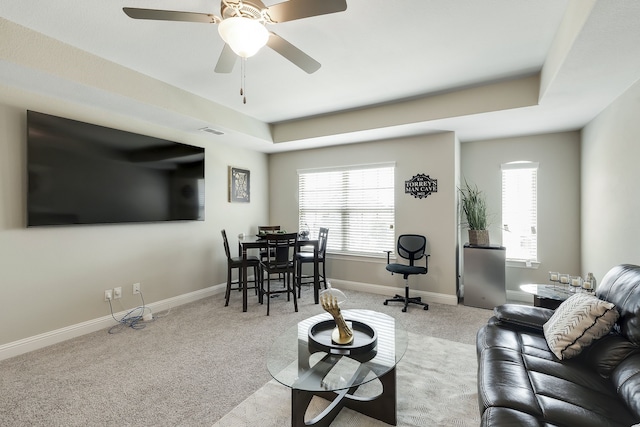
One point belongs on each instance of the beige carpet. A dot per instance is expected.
(436, 383)
(196, 363)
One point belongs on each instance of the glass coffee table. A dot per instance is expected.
(333, 372)
(548, 296)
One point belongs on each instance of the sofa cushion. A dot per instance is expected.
(509, 417)
(605, 354)
(626, 379)
(577, 322)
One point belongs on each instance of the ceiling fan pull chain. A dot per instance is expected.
(242, 80)
(241, 76)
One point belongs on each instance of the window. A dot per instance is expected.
(355, 203)
(520, 210)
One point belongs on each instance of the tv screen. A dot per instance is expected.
(80, 173)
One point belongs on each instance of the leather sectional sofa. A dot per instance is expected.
(521, 382)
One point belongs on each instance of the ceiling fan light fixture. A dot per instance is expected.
(245, 36)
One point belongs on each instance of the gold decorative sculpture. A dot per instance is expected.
(342, 334)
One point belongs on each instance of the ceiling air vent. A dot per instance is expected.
(211, 130)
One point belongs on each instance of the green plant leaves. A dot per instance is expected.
(474, 206)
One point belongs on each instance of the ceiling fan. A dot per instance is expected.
(242, 26)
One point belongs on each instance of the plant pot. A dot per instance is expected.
(479, 237)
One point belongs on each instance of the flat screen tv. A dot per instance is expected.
(80, 173)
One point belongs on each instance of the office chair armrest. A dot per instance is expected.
(388, 256)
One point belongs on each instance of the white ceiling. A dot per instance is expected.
(376, 52)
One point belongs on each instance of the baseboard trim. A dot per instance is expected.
(390, 291)
(519, 296)
(46, 339)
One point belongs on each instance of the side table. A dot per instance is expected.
(547, 296)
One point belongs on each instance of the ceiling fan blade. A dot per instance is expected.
(169, 15)
(292, 53)
(227, 60)
(298, 9)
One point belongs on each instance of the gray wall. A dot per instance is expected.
(610, 178)
(479, 162)
(55, 277)
(433, 216)
(558, 156)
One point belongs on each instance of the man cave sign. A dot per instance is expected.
(420, 186)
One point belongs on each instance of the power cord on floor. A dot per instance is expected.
(133, 319)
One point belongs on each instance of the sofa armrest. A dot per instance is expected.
(517, 316)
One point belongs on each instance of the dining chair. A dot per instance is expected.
(306, 257)
(283, 246)
(236, 262)
(266, 229)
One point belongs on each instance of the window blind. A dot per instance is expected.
(356, 204)
(520, 210)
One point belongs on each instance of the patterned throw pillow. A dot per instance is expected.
(577, 322)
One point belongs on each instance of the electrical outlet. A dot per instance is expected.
(117, 292)
(136, 288)
(108, 295)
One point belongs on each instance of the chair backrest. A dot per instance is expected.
(283, 246)
(323, 233)
(268, 228)
(411, 247)
(226, 244)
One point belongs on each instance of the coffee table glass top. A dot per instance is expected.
(555, 292)
(295, 364)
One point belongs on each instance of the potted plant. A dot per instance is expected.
(474, 207)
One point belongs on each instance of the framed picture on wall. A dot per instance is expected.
(239, 185)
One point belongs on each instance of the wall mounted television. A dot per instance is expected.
(81, 173)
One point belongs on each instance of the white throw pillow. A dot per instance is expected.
(577, 322)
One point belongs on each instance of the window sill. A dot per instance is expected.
(519, 263)
(382, 259)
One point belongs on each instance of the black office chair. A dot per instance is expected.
(411, 247)
(236, 262)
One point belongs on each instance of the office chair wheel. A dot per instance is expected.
(386, 303)
(404, 309)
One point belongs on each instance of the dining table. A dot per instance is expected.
(248, 242)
